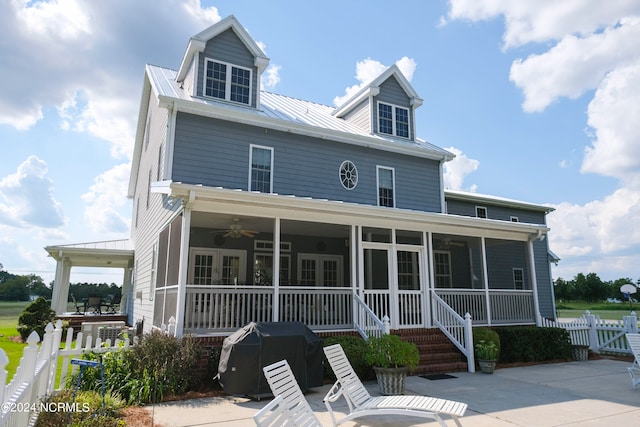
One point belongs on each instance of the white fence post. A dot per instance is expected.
(35, 376)
(468, 339)
(631, 323)
(4, 360)
(594, 343)
(386, 325)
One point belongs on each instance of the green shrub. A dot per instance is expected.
(354, 348)
(390, 351)
(534, 344)
(35, 317)
(87, 412)
(487, 337)
(159, 365)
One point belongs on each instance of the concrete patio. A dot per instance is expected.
(590, 393)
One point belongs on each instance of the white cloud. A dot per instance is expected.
(271, 77)
(456, 170)
(575, 64)
(368, 69)
(543, 20)
(105, 196)
(589, 46)
(28, 197)
(614, 116)
(56, 46)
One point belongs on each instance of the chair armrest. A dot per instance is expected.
(273, 414)
(332, 395)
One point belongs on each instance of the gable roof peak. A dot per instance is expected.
(198, 42)
(373, 87)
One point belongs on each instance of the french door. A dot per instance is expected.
(393, 283)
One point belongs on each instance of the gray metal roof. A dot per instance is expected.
(284, 108)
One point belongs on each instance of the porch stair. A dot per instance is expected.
(437, 353)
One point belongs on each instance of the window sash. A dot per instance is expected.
(260, 169)
(227, 81)
(393, 120)
(385, 187)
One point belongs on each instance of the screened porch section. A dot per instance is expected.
(232, 279)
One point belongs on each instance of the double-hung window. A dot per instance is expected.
(393, 120)
(386, 185)
(227, 81)
(261, 169)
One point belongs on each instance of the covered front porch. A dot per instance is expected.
(228, 258)
(116, 254)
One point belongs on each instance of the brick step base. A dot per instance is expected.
(437, 353)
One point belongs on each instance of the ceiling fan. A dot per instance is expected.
(447, 242)
(236, 231)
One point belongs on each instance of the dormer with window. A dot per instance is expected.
(384, 107)
(223, 63)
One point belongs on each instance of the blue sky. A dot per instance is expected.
(539, 100)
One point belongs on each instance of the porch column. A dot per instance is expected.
(485, 279)
(361, 284)
(126, 288)
(276, 269)
(356, 268)
(60, 293)
(184, 267)
(534, 280)
(428, 275)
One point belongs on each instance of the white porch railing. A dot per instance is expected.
(35, 377)
(456, 328)
(507, 306)
(602, 336)
(318, 308)
(366, 322)
(227, 308)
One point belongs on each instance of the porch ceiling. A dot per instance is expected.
(263, 207)
(221, 222)
(110, 254)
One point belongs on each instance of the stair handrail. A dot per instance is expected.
(455, 327)
(366, 322)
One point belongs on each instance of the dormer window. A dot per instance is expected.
(227, 81)
(393, 120)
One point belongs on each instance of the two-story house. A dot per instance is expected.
(255, 206)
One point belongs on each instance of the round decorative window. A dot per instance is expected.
(348, 175)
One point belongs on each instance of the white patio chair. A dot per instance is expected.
(361, 403)
(634, 370)
(274, 414)
(289, 408)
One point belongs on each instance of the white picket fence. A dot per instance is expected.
(601, 336)
(36, 374)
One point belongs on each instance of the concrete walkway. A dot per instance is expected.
(591, 393)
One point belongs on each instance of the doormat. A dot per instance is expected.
(437, 376)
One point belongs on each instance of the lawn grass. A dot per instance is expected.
(608, 311)
(10, 340)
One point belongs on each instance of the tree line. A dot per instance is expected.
(15, 287)
(591, 288)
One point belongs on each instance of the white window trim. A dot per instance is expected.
(318, 258)
(513, 275)
(486, 212)
(393, 119)
(217, 266)
(393, 189)
(262, 147)
(514, 219)
(227, 87)
(286, 257)
(448, 275)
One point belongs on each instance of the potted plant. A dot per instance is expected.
(391, 359)
(487, 354)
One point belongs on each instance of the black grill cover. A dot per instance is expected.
(256, 345)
